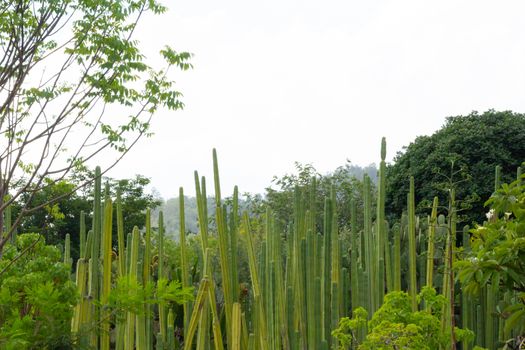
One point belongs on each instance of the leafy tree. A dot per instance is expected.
(75, 86)
(474, 144)
(55, 220)
(343, 180)
(36, 296)
(497, 254)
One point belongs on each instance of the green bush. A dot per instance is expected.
(37, 296)
(396, 326)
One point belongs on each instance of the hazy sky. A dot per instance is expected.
(321, 82)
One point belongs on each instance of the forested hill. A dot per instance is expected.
(171, 207)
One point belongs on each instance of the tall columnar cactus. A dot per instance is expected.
(354, 276)
(161, 275)
(261, 319)
(389, 268)
(202, 206)
(396, 263)
(234, 227)
(146, 279)
(431, 242)
(216, 327)
(380, 228)
(236, 327)
(298, 251)
(336, 281)
(120, 236)
(133, 269)
(224, 248)
(202, 210)
(370, 265)
(268, 282)
(123, 263)
(171, 330)
(327, 268)
(468, 304)
(67, 251)
(185, 278)
(94, 263)
(106, 275)
(421, 251)
(82, 309)
(447, 316)
(281, 323)
(82, 234)
(202, 296)
(311, 256)
(412, 245)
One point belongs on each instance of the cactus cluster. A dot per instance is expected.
(303, 278)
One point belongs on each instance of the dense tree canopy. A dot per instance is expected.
(54, 221)
(463, 154)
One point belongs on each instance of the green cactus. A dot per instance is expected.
(133, 269)
(412, 245)
(184, 259)
(431, 242)
(261, 319)
(106, 274)
(380, 229)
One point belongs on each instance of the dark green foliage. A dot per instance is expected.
(55, 220)
(476, 143)
(36, 296)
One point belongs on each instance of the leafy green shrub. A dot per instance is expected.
(396, 326)
(37, 296)
(129, 295)
(497, 255)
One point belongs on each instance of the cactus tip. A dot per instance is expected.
(383, 148)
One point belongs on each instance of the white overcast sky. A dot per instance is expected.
(321, 82)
